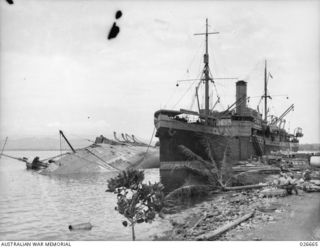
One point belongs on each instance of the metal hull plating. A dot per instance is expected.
(171, 156)
(242, 148)
(242, 143)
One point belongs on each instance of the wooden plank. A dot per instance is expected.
(198, 222)
(214, 234)
(253, 186)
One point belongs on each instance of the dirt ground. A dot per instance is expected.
(298, 218)
(289, 218)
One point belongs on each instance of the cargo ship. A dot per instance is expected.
(246, 131)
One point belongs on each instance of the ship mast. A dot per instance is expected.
(206, 75)
(265, 95)
(206, 71)
(265, 92)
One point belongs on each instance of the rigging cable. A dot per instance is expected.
(196, 93)
(154, 129)
(101, 159)
(170, 97)
(198, 76)
(183, 95)
(60, 146)
(194, 56)
(215, 87)
(188, 68)
(145, 154)
(192, 102)
(5, 142)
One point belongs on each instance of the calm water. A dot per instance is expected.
(37, 207)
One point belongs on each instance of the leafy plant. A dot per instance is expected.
(216, 167)
(127, 178)
(136, 201)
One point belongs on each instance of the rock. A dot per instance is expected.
(239, 237)
(271, 192)
(217, 213)
(257, 239)
(199, 233)
(316, 182)
(266, 209)
(179, 220)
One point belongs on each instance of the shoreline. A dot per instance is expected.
(293, 217)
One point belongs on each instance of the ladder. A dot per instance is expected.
(257, 145)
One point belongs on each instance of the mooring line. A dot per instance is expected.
(5, 142)
(100, 158)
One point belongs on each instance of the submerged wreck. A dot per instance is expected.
(104, 155)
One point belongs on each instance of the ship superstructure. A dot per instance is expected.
(246, 131)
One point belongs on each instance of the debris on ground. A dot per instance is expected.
(214, 234)
(273, 192)
(229, 210)
(216, 215)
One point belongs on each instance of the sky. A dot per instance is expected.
(58, 70)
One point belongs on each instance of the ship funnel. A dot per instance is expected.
(241, 95)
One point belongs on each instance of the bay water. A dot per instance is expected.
(41, 207)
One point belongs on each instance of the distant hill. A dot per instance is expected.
(309, 147)
(48, 143)
(51, 143)
(43, 143)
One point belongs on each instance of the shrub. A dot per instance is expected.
(136, 201)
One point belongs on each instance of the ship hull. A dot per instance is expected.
(239, 148)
